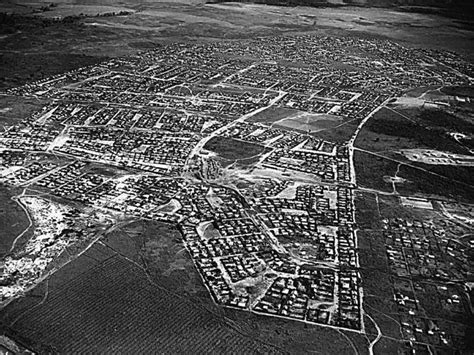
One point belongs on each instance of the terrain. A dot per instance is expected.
(37, 41)
(456, 8)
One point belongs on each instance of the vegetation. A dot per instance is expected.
(340, 134)
(36, 48)
(419, 181)
(234, 150)
(389, 130)
(13, 220)
(372, 171)
(459, 90)
(273, 114)
(130, 279)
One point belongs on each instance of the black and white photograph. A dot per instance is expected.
(237, 177)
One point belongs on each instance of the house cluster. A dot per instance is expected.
(418, 249)
(320, 165)
(311, 297)
(31, 137)
(162, 153)
(429, 269)
(62, 175)
(263, 187)
(11, 158)
(239, 267)
(28, 172)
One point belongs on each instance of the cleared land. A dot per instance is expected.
(273, 114)
(234, 150)
(36, 48)
(325, 127)
(371, 171)
(14, 109)
(308, 123)
(392, 130)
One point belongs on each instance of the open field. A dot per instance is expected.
(391, 131)
(341, 133)
(308, 123)
(14, 109)
(42, 47)
(367, 215)
(324, 127)
(157, 247)
(234, 150)
(372, 171)
(459, 90)
(419, 181)
(377, 172)
(295, 120)
(13, 220)
(273, 114)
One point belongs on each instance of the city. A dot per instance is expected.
(223, 140)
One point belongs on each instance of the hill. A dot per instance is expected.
(451, 8)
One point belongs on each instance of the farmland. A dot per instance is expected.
(108, 298)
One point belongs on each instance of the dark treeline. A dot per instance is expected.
(11, 23)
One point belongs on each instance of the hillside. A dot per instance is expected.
(451, 8)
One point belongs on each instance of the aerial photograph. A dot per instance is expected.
(237, 177)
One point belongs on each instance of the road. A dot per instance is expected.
(17, 200)
(379, 335)
(351, 142)
(197, 148)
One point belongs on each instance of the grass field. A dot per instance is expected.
(13, 220)
(389, 131)
(374, 172)
(299, 121)
(114, 308)
(419, 181)
(371, 170)
(15, 109)
(459, 90)
(339, 134)
(157, 247)
(367, 216)
(324, 127)
(233, 150)
(273, 114)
